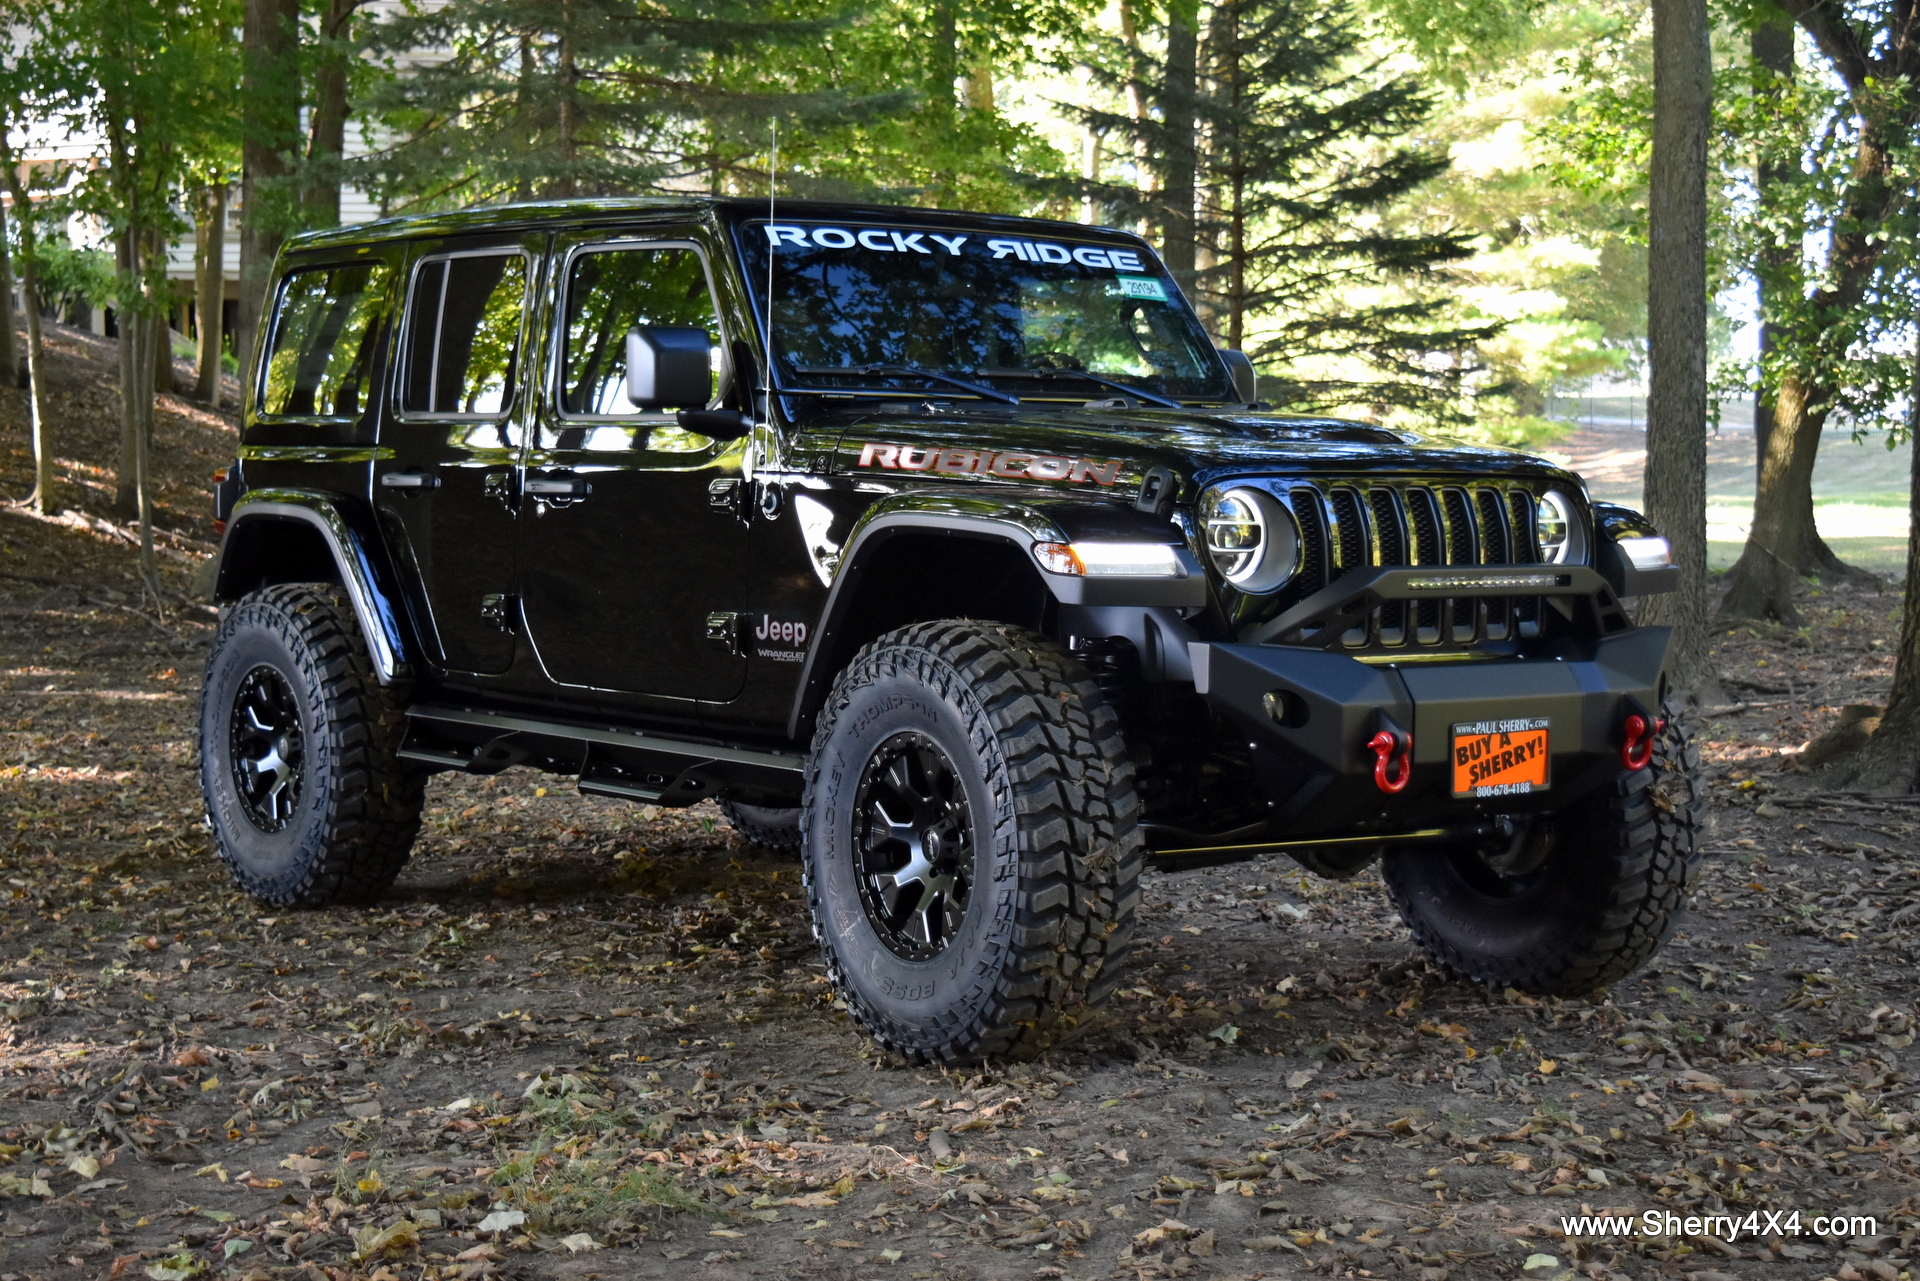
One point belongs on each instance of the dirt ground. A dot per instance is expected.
(583, 1039)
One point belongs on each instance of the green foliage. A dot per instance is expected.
(1307, 157)
(70, 276)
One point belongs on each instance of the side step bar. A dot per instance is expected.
(626, 763)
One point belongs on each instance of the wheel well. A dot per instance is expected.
(274, 549)
(915, 577)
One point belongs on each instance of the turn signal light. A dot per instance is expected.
(1108, 560)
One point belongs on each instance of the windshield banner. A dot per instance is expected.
(887, 240)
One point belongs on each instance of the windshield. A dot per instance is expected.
(861, 305)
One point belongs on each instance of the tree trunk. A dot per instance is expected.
(327, 127)
(162, 350)
(133, 376)
(1763, 581)
(1676, 475)
(148, 329)
(42, 497)
(209, 286)
(11, 370)
(1771, 47)
(1089, 174)
(567, 185)
(270, 106)
(1136, 97)
(1784, 542)
(1890, 761)
(1182, 158)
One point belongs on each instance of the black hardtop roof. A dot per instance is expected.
(565, 213)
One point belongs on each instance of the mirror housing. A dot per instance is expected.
(1245, 381)
(716, 424)
(669, 366)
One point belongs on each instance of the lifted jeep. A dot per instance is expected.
(943, 549)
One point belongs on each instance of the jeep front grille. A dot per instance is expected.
(1350, 525)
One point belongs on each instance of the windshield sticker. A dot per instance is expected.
(886, 240)
(1085, 255)
(985, 462)
(1142, 287)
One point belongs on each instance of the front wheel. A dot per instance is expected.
(1580, 900)
(306, 798)
(775, 827)
(971, 845)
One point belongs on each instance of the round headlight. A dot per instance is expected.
(1563, 538)
(1250, 537)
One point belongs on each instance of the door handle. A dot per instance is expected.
(558, 487)
(409, 480)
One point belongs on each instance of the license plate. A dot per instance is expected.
(1500, 758)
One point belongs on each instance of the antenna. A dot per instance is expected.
(773, 250)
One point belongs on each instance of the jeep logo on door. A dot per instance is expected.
(782, 639)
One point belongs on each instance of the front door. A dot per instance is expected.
(630, 535)
(446, 482)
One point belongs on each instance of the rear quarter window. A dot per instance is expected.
(327, 324)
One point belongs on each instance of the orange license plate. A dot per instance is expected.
(1500, 758)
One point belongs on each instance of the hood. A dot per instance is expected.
(1109, 446)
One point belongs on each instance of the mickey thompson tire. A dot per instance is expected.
(972, 853)
(307, 802)
(775, 828)
(1610, 891)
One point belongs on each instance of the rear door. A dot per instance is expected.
(631, 535)
(446, 484)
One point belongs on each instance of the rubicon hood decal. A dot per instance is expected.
(1011, 464)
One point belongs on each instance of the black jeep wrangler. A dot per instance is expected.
(944, 549)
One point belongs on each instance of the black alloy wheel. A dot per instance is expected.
(306, 795)
(916, 846)
(266, 747)
(970, 842)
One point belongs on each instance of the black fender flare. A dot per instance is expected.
(1020, 524)
(373, 607)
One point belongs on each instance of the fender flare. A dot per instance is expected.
(1018, 524)
(372, 607)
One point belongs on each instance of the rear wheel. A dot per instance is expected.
(777, 828)
(972, 853)
(306, 798)
(1579, 901)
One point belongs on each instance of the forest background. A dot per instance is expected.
(1433, 215)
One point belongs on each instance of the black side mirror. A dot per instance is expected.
(668, 365)
(716, 424)
(1246, 383)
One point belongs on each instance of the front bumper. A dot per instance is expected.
(1308, 716)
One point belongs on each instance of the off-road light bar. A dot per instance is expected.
(1646, 553)
(1482, 583)
(1109, 560)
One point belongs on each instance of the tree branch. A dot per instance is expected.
(1827, 23)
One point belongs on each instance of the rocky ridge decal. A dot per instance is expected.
(984, 462)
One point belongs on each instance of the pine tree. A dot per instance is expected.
(520, 99)
(1291, 142)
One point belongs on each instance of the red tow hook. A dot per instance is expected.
(1641, 731)
(1392, 750)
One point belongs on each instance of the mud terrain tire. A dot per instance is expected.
(307, 802)
(776, 828)
(983, 756)
(1608, 895)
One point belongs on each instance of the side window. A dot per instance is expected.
(325, 331)
(463, 335)
(609, 291)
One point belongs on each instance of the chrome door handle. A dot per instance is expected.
(409, 480)
(558, 487)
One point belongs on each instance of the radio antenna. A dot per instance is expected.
(773, 249)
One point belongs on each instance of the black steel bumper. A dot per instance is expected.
(1309, 714)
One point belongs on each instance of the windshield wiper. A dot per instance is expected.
(1045, 375)
(906, 371)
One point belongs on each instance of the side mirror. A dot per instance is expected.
(1246, 383)
(668, 365)
(716, 424)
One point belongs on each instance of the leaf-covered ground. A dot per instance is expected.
(583, 1039)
